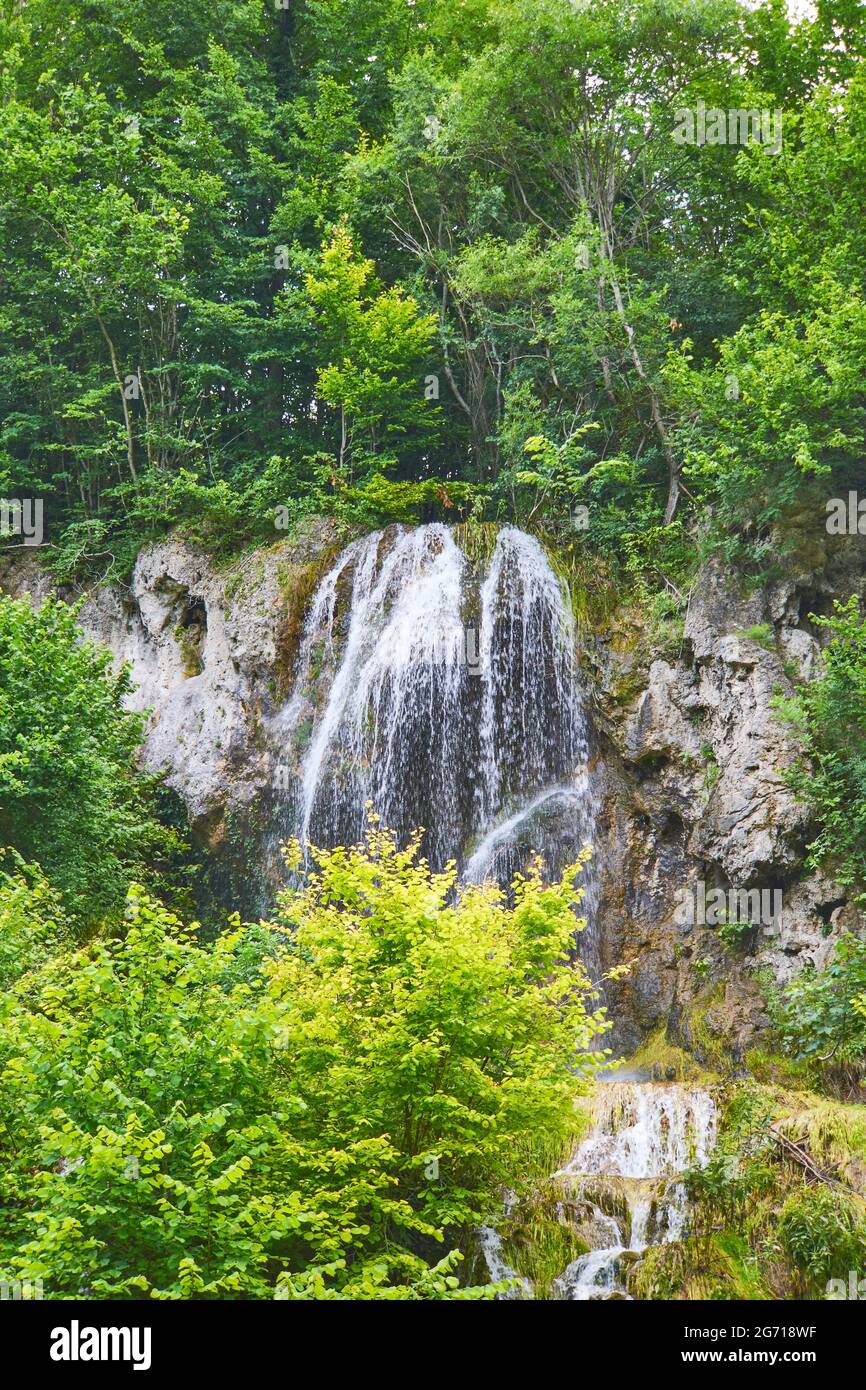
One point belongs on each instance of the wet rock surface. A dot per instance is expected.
(690, 767)
(685, 768)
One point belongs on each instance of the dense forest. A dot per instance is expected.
(391, 260)
(592, 271)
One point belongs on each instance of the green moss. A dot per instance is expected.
(540, 1242)
(717, 1267)
(762, 633)
(743, 1266)
(594, 591)
(629, 685)
(778, 1230)
(477, 540)
(582, 1119)
(190, 656)
(706, 1045)
(834, 1133)
(776, 1070)
(663, 1060)
(297, 584)
(233, 585)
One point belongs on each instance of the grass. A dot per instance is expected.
(716, 1267)
(477, 540)
(835, 1135)
(667, 1062)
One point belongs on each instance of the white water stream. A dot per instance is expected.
(443, 695)
(644, 1135)
(625, 1185)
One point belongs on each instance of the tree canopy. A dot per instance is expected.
(361, 256)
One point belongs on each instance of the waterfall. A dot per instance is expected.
(397, 703)
(647, 1130)
(445, 695)
(622, 1190)
(532, 721)
(497, 1266)
(644, 1136)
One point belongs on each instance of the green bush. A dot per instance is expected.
(33, 925)
(829, 715)
(817, 1013)
(321, 1109)
(824, 1233)
(71, 797)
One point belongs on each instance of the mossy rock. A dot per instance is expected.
(298, 583)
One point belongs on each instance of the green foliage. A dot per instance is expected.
(279, 225)
(450, 1028)
(740, 1167)
(829, 715)
(307, 1112)
(33, 924)
(824, 1232)
(735, 935)
(762, 633)
(759, 1228)
(818, 1015)
(376, 342)
(71, 798)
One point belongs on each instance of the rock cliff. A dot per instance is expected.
(687, 760)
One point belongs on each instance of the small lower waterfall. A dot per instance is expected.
(622, 1190)
(644, 1135)
(444, 694)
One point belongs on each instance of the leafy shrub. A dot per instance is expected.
(319, 1110)
(824, 1233)
(829, 715)
(816, 1014)
(740, 1167)
(33, 925)
(71, 797)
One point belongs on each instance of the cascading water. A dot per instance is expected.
(644, 1136)
(394, 703)
(444, 698)
(622, 1191)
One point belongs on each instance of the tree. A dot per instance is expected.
(316, 1110)
(453, 1027)
(71, 797)
(375, 343)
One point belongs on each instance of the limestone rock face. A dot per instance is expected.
(687, 759)
(691, 766)
(209, 648)
(198, 661)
